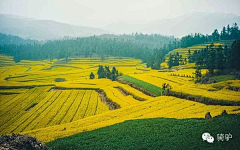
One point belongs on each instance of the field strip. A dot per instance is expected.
(27, 118)
(11, 104)
(60, 120)
(96, 105)
(163, 107)
(87, 104)
(63, 109)
(81, 111)
(101, 107)
(4, 100)
(16, 105)
(75, 113)
(53, 109)
(15, 116)
(38, 117)
(120, 98)
(165, 79)
(72, 110)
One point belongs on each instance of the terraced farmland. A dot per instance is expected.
(187, 86)
(184, 51)
(38, 108)
(164, 106)
(32, 102)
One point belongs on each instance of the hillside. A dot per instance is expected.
(196, 22)
(43, 29)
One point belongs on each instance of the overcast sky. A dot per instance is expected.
(98, 13)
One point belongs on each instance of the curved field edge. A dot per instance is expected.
(154, 90)
(164, 106)
(157, 133)
(105, 99)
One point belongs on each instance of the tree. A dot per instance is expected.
(101, 72)
(170, 61)
(224, 34)
(176, 59)
(215, 35)
(228, 31)
(107, 72)
(92, 76)
(165, 89)
(114, 74)
(198, 73)
(220, 59)
(236, 54)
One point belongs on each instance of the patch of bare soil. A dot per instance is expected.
(112, 105)
(21, 142)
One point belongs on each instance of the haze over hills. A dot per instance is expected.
(179, 26)
(43, 29)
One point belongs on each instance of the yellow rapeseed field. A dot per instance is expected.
(34, 105)
(165, 106)
(53, 108)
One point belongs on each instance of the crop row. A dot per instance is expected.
(163, 106)
(48, 108)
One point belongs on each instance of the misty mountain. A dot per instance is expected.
(43, 29)
(179, 26)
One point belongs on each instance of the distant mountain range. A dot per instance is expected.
(48, 30)
(179, 26)
(43, 29)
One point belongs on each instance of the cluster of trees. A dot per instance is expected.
(86, 47)
(188, 76)
(151, 49)
(158, 55)
(227, 33)
(104, 72)
(175, 60)
(218, 58)
(191, 40)
(150, 40)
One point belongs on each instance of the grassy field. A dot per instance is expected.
(158, 133)
(224, 78)
(147, 86)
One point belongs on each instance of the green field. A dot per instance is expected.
(158, 133)
(224, 78)
(147, 86)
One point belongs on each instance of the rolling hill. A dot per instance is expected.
(43, 29)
